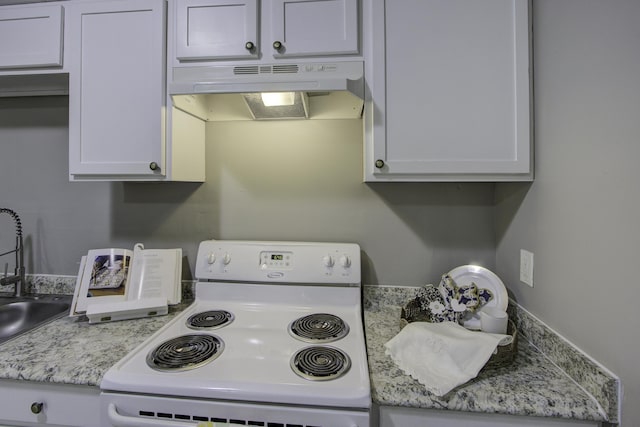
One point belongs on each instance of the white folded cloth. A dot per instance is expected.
(442, 355)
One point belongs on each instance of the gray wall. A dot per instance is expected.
(580, 217)
(273, 181)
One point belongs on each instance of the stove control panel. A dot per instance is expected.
(270, 260)
(285, 262)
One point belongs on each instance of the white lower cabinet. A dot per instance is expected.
(414, 417)
(24, 403)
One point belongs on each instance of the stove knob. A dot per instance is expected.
(211, 258)
(226, 259)
(345, 261)
(327, 260)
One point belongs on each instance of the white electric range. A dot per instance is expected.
(273, 338)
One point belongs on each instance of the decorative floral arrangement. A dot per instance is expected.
(446, 302)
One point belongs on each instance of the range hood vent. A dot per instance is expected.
(303, 77)
(266, 69)
(328, 90)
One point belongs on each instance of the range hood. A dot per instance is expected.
(325, 90)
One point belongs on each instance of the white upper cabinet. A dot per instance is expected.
(450, 91)
(214, 30)
(313, 27)
(31, 36)
(116, 89)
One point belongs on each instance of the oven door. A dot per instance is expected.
(133, 410)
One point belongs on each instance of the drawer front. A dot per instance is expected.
(25, 403)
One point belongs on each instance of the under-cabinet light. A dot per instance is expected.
(296, 106)
(275, 99)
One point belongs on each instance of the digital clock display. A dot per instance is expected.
(272, 260)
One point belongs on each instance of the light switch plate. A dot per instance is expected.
(526, 267)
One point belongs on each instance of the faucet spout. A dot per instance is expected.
(10, 280)
(19, 275)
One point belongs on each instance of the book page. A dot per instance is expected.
(104, 278)
(155, 273)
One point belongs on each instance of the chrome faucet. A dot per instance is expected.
(18, 275)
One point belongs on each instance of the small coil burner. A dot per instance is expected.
(319, 328)
(212, 319)
(320, 363)
(185, 352)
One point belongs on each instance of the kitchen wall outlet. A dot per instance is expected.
(526, 267)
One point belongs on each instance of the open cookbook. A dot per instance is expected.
(117, 284)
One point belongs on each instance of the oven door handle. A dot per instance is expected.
(118, 420)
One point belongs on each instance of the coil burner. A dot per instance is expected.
(185, 352)
(320, 363)
(212, 319)
(319, 328)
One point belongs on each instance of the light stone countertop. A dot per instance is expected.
(72, 351)
(532, 385)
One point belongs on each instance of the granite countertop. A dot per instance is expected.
(531, 385)
(72, 351)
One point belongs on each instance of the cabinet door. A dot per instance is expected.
(116, 88)
(31, 37)
(26, 403)
(216, 29)
(416, 417)
(313, 27)
(451, 98)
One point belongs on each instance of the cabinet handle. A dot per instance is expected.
(277, 45)
(379, 163)
(36, 407)
(154, 166)
(249, 45)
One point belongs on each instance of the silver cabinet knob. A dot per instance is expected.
(36, 407)
(277, 45)
(249, 46)
(379, 163)
(154, 166)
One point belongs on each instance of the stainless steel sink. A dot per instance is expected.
(22, 314)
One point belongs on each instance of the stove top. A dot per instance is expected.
(293, 337)
(210, 319)
(185, 352)
(320, 363)
(319, 327)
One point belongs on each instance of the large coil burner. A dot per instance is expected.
(319, 328)
(211, 319)
(320, 363)
(185, 352)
